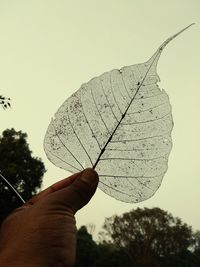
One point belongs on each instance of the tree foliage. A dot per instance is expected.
(149, 235)
(140, 238)
(86, 248)
(196, 247)
(20, 168)
(91, 254)
(4, 101)
(111, 256)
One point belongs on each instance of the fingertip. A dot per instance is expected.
(89, 176)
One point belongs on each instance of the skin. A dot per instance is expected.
(43, 231)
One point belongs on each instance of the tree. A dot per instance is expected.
(149, 235)
(111, 256)
(4, 101)
(91, 254)
(196, 247)
(183, 259)
(197, 241)
(20, 168)
(86, 248)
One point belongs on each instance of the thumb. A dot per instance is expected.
(77, 194)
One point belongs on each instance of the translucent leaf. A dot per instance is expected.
(119, 123)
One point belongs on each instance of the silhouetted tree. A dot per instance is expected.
(184, 259)
(86, 249)
(111, 256)
(20, 168)
(4, 101)
(91, 254)
(196, 248)
(149, 235)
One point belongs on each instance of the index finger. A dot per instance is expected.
(55, 187)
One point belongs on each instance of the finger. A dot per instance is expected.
(77, 194)
(57, 186)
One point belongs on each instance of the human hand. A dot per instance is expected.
(43, 231)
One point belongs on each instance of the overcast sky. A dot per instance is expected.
(49, 48)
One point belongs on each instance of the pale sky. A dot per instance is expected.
(49, 48)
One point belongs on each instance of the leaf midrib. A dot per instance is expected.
(125, 112)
